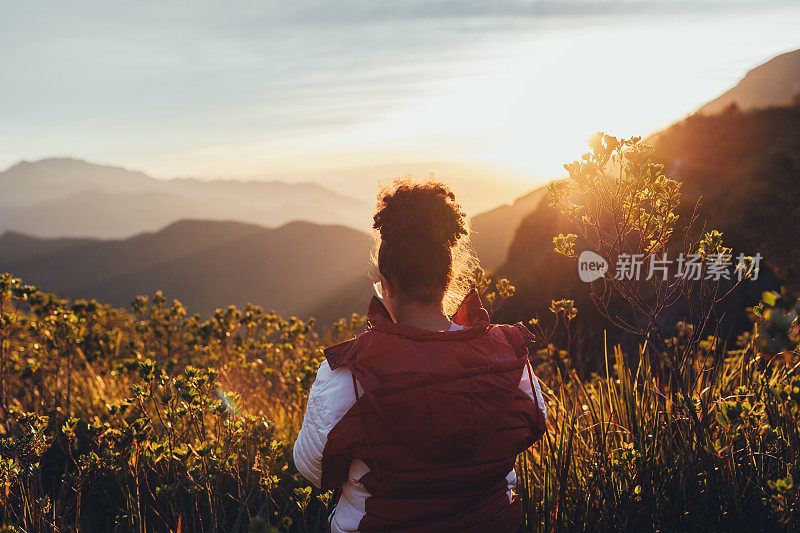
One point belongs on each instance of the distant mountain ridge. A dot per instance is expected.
(746, 165)
(774, 83)
(62, 197)
(205, 264)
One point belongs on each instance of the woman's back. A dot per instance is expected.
(432, 440)
(418, 427)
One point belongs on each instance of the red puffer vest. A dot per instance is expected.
(440, 422)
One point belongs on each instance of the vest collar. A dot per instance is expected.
(470, 314)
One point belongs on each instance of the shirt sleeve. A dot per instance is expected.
(330, 398)
(529, 384)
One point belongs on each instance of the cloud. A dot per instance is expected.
(140, 80)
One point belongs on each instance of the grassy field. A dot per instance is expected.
(154, 420)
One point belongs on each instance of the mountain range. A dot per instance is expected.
(743, 161)
(64, 197)
(205, 264)
(85, 230)
(774, 83)
(300, 268)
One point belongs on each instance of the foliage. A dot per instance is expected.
(153, 420)
(623, 206)
(156, 420)
(618, 456)
(172, 422)
(715, 444)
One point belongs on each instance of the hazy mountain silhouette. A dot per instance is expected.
(16, 246)
(205, 264)
(50, 179)
(774, 83)
(68, 197)
(56, 197)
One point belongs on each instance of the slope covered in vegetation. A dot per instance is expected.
(742, 168)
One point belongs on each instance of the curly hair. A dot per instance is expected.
(423, 242)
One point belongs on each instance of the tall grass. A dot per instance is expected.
(686, 434)
(619, 455)
(155, 421)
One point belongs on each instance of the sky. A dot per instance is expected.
(358, 88)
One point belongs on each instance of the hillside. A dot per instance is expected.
(774, 83)
(494, 230)
(205, 264)
(746, 168)
(16, 246)
(67, 197)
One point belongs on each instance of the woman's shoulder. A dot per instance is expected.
(328, 377)
(343, 355)
(338, 355)
(517, 335)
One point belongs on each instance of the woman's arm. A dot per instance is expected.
(330, 398)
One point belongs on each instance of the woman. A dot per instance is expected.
(417, 422)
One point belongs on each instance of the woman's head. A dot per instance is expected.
(423, 251)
